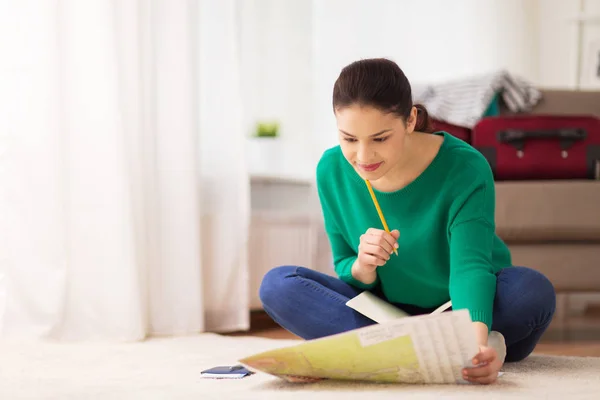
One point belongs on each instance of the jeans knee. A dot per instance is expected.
(541, 293)
(273, 285)
(545, 291)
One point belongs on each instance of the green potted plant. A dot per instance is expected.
(267, 130)
(265, 149)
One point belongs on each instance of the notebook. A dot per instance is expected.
(380, 310)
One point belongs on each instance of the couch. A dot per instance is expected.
(554, 226)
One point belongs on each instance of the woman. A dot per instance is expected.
(437, 194)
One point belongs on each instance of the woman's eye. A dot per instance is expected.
(352, 140)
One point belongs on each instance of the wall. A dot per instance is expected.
(559, 38)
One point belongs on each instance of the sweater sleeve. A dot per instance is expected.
(343, 254)
(472, 278)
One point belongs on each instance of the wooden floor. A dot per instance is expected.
(263, 326)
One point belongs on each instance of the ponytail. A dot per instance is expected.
(424, 122)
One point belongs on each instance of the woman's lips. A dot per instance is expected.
(369, 167)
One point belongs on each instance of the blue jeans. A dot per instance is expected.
(311, 305)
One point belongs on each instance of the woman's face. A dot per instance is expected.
(373, 142)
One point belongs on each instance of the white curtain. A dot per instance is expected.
(124, 199)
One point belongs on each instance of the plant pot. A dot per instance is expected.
(265, 155)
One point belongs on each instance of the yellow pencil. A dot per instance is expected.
(378, 210)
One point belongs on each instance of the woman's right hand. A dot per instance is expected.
(375, 248)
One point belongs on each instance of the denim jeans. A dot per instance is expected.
(311, 305)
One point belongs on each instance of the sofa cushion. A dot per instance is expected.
(541, 211)
(564, 102)
(571, 267)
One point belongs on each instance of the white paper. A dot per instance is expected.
(375, 308)
(380, 310)
(444, 344)
(442, 308)
(376, 336)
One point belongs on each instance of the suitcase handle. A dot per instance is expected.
(566, 136)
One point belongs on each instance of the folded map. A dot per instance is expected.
(430, 348)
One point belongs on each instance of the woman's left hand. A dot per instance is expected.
(486, 366)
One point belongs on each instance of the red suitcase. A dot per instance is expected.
(457, 131)
(540, 146)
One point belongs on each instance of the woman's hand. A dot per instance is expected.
(375, 248)
(487, 364)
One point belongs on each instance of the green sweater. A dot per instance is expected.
(448, 248)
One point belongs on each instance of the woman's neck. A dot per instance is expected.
(419, 151)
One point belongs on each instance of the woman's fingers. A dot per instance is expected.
(484, 380)
(382, 239)
(478, 372)
(486, 367)
(369, 261)
(376, 251)
(483, 374)
(375, 248)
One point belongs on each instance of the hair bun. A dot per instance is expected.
(424, 122)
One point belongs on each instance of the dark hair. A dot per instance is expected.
(379, 83)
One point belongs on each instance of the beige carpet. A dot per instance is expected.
(170, 369)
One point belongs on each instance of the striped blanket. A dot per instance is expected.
(463, 102)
